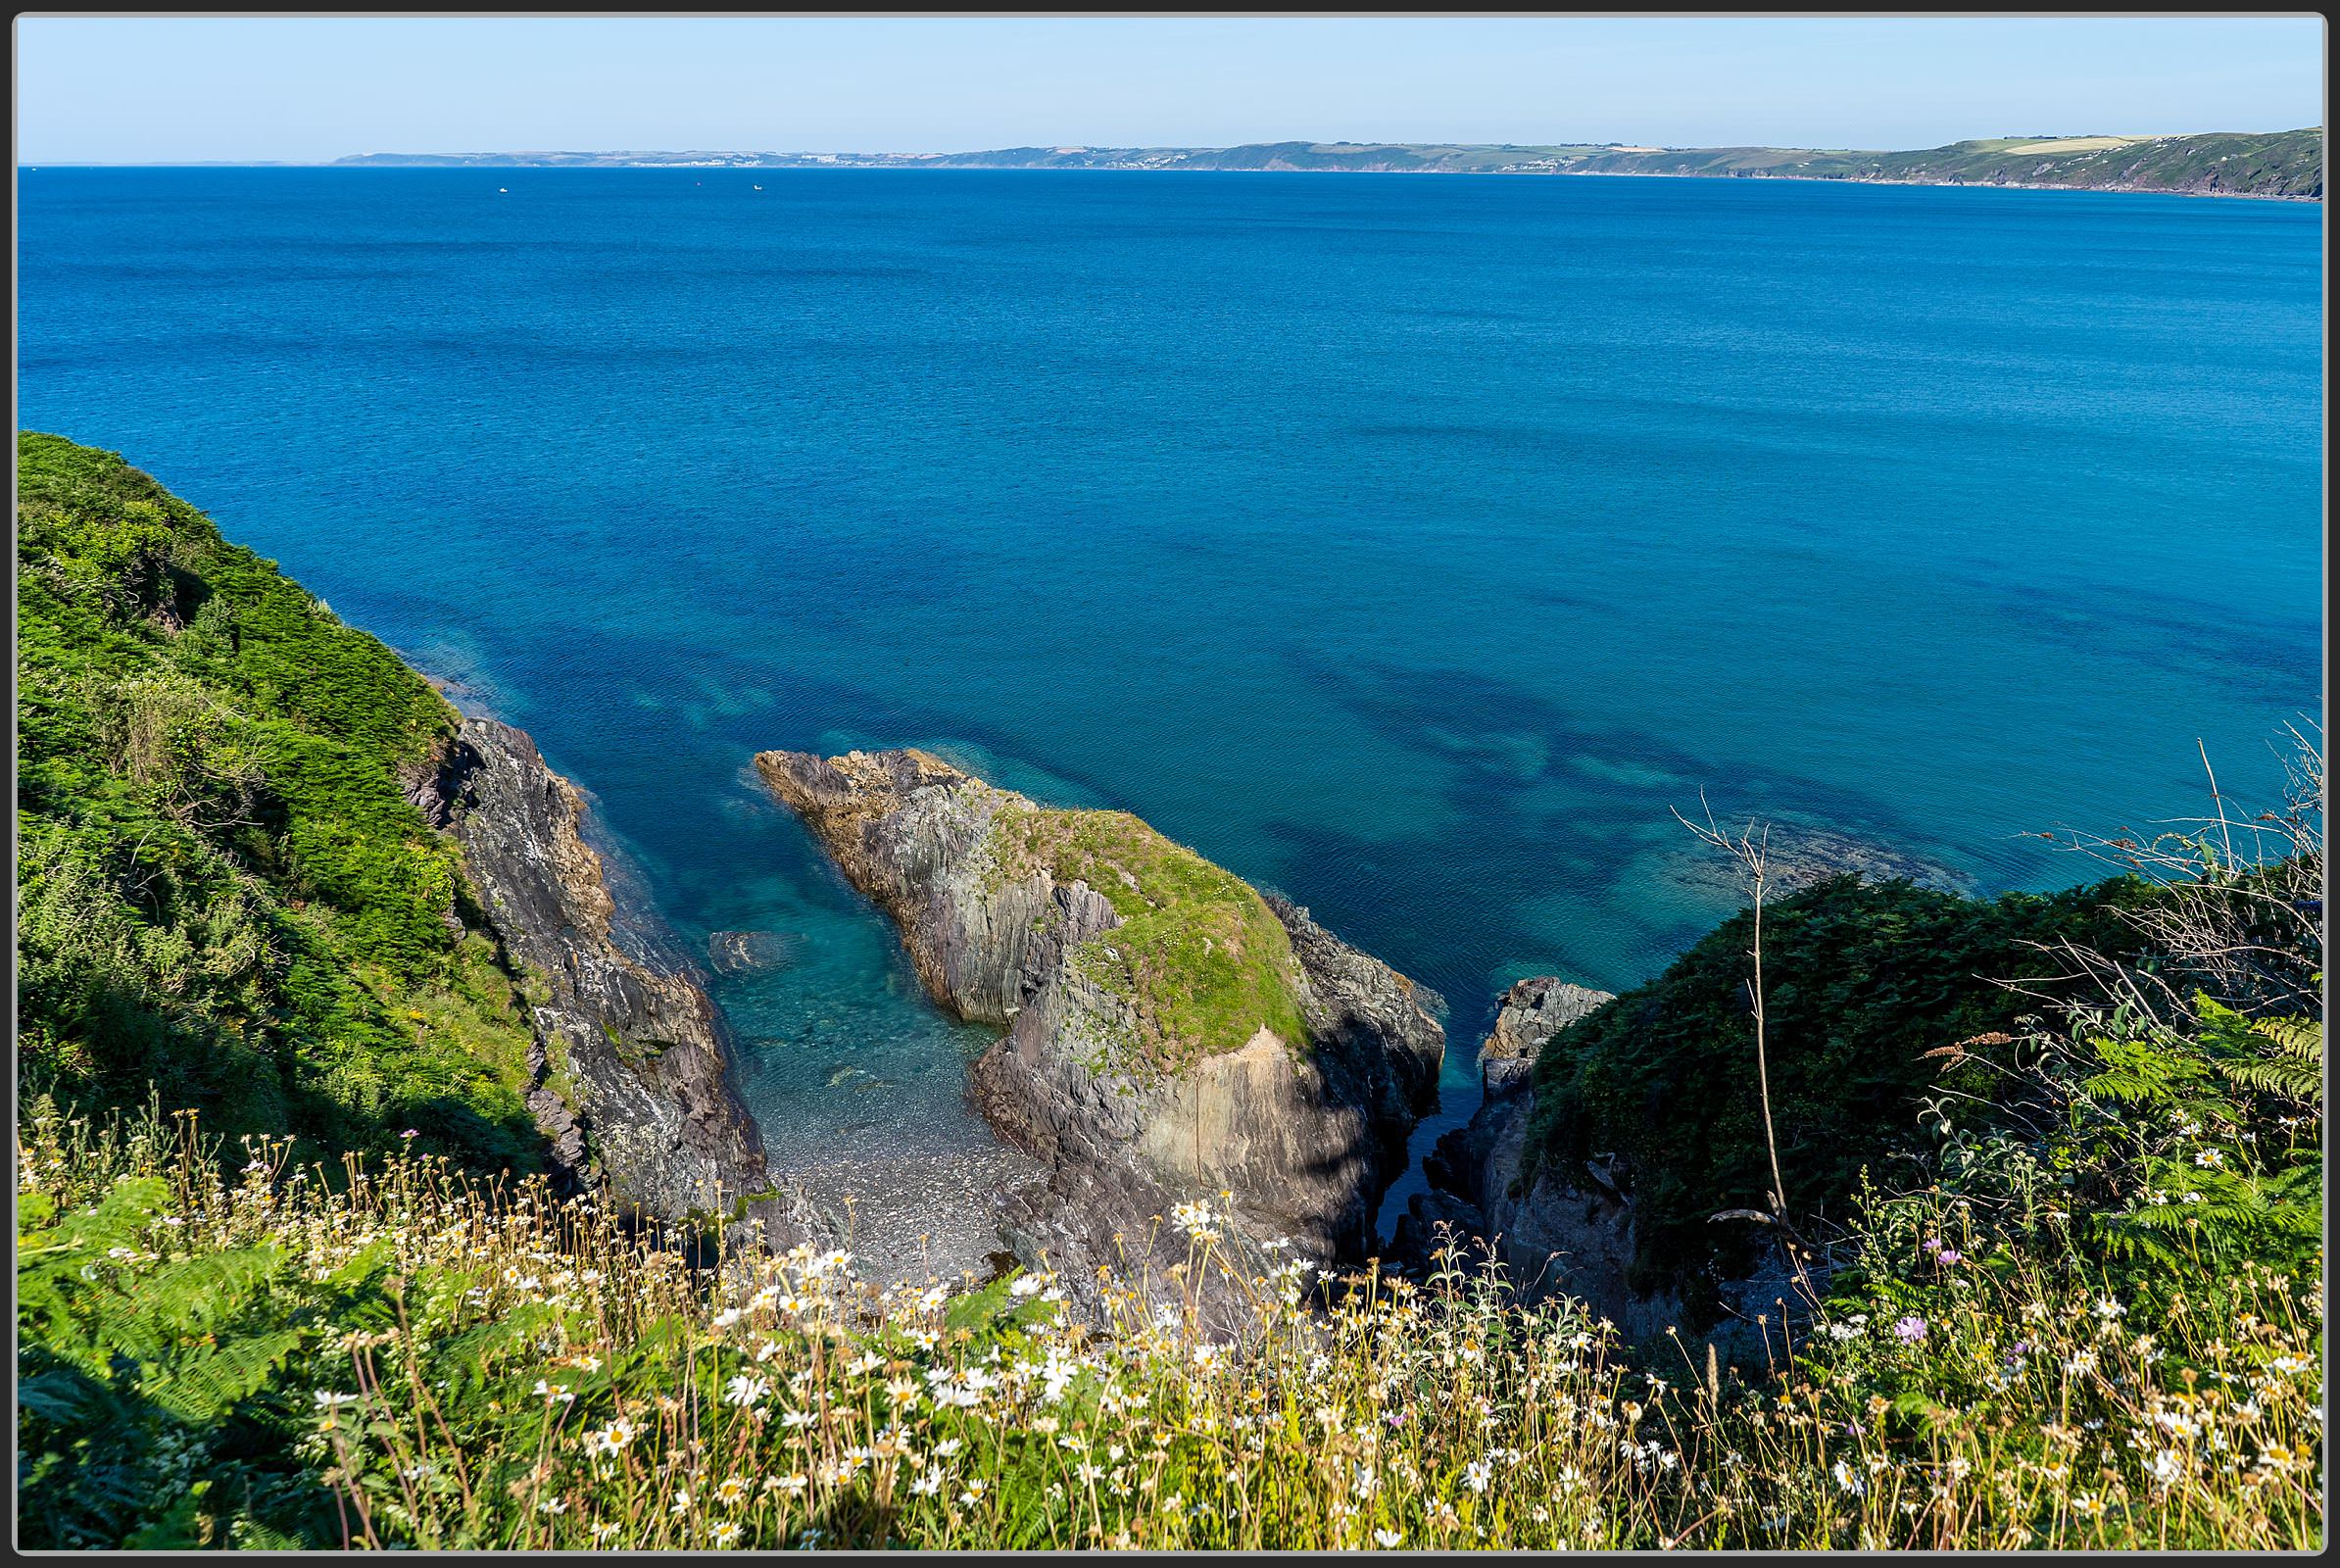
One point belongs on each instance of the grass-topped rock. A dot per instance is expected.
(1172, 1033)
(1199, 954)
(1187, 958)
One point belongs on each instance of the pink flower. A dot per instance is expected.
(409, 1133)
(1910, 1330)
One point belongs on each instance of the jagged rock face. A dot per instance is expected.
(1567, 1233)
(1533, 1010)
(631, 1058)
(1552, 1236)
(1290, 1137)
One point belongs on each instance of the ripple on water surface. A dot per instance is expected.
(1412, 546)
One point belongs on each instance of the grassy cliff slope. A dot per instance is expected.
(225, 899)
(1861, 981)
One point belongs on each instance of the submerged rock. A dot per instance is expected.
(1172, 1035)
(751, 952)
(1802, 855)
(631, 1059)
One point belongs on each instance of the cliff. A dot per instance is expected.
(1171, 1034)
(1570, 1228)
(2285, 164)
(270, 876)
(630, 1064)
(225, 901)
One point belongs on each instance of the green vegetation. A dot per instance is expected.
(1868, 986)
(2274, 164)
(2088, 1313)
(225, 898)
(403, 1356)
(1201, 957)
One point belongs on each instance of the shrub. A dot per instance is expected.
(1867, 984)
(225, 896)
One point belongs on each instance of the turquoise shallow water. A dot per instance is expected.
(1410, 545)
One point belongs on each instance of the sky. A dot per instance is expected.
(193, 90)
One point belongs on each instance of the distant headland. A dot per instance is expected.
(2286, 164)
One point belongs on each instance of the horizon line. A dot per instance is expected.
(346, 160)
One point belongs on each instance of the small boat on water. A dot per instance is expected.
(759, 187)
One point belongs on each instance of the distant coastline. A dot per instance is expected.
(1958, 184)
(2275, 164)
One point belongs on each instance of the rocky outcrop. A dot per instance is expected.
(631, 1058)
(1171, 1034)
(1533, 1010)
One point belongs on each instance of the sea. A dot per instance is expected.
(1415, 546)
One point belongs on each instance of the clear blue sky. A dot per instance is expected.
(301, 90)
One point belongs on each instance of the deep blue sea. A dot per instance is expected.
(1410, 545)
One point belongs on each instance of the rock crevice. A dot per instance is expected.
(1560, 1232)
(1552, 1236)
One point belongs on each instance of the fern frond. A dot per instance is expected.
(2279, 1056)
(2298, 1039)
(203, 1292)
(2300, 1083)
(202, 1389)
